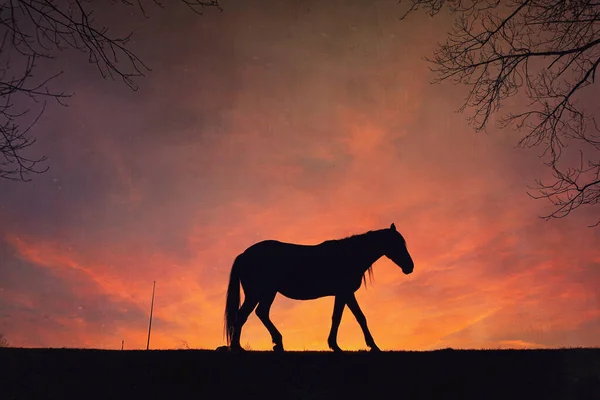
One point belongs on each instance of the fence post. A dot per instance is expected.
(150, 324)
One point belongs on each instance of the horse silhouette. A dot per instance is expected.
(304, 272)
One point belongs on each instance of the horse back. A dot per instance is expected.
(274, 252)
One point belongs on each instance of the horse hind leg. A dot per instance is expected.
(336, 318)
(242, 316)
(262, 311)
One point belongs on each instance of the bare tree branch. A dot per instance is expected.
(37, 29)
(546, 50)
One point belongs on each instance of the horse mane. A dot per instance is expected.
(356, 236)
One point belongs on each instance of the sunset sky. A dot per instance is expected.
(298, 121)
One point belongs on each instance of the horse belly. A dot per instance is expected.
(306, 285)
(305, 292)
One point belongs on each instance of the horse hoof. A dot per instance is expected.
(278, 348)
(336, 349)
(375, 349)
(237, 349)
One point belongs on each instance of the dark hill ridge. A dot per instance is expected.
(202, 374)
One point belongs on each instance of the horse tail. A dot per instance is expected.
(232, 303)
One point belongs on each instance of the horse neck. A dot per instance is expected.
(369, 249)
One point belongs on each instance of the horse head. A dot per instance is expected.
(395, 249)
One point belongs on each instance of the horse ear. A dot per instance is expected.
(393, 227)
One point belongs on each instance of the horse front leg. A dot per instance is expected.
(362, 321)
(336, 318)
